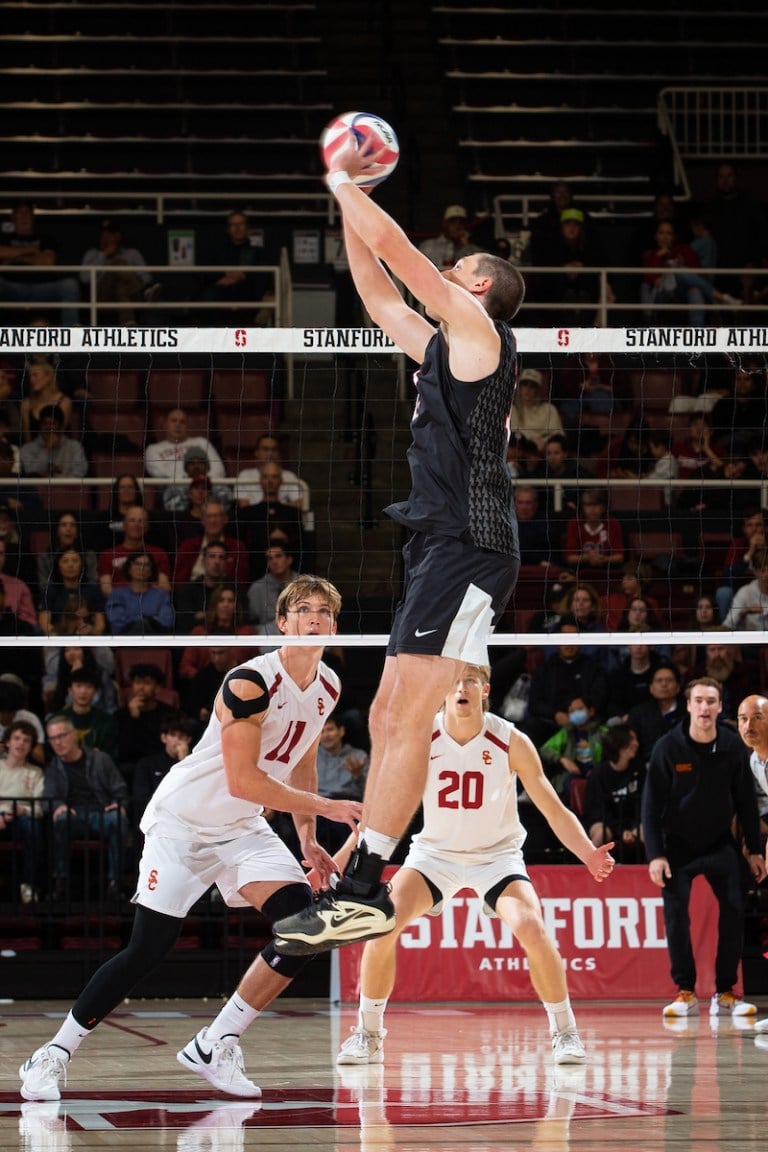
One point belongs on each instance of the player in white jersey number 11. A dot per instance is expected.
(205, 825)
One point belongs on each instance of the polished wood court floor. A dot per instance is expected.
(457, 1078)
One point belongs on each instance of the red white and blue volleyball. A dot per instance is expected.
(364, 126)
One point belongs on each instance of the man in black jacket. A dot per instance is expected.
(698, 781)
(566, 674)
(89, 797)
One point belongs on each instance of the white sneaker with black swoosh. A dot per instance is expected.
(339, 917)
(220, 1062)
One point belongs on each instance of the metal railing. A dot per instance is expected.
(713, 124)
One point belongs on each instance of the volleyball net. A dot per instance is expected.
(335, 405)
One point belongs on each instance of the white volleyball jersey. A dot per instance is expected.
(193, 801)
(470, 801)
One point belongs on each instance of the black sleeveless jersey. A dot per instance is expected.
(460, 481)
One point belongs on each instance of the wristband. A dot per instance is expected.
(334, 179)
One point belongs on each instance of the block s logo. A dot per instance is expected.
(241, 338)
(563, 337)
(152, 880)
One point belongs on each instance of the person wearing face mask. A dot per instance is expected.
(575, 748)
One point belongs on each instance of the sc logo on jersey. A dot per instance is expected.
(152, 880)
(241, 337)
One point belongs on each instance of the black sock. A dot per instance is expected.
(363, 872)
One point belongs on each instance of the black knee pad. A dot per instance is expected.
(288, 966)
(286, 901)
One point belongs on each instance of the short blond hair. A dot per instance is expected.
(303, 587)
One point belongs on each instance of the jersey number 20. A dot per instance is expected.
(460, 790)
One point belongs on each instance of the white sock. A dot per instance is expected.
(70, 1036)
(371, 1013)
(233, 1019)
(561, 1017)
(378, 843)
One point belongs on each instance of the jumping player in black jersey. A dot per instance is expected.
(462, 559)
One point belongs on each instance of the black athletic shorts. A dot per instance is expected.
(453, 593)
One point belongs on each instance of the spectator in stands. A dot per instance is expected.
(42, 391)
(631, 679)
(563, 676)
(141, 719)
(698, 450)
(66, 534)
(592, 539)
(177, 733)
(626, 456)
(672, 278)
(192, 599)
(688, 816)
(666, 210)
(636, 577)
(749, 609)
(532, 415)
(708, 508)
(737, 415)
(139, 606)
(11, 492)
(583, 603)
(21, 785)
(574, 749)
(738, 568)
(189, 557)
(124, 279)
(706, 613)
(454, 240)
(23, 246)
(68, 581)
(17, 595)
(51, 452)
(263, 593)
(196, 489)
(248, 489)
(105, 529)
(545, 228)
(62, 663)
(740, 229)
(652, 718)
(613, 795)
(199, 693)
(164, 460)
(112, 560)
(341, 775)
(638, 616)
(539, 537)
(577, 291)
(723, 662)
(595, 394)
(665, 465)
(234, 287)
(95, 727)
(257, 521)
(14, 701)
(225, 616)
(558, 468)
(88, 795)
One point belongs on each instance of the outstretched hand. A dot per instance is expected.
(357, 161)
(601, 863)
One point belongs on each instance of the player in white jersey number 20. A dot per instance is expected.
(472, 838)
(205, 825)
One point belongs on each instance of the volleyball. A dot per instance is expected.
(364, 126)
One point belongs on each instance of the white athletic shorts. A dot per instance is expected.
(174, 874)
(449, 876)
